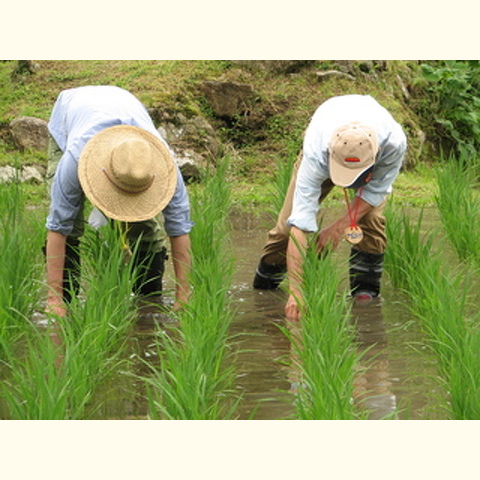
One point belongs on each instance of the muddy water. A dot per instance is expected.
(397, 383)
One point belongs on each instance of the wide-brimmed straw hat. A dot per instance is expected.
(127, 173)
(353, 149)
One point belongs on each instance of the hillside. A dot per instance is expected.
(274, 103)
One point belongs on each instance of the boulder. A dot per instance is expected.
(26, 174)
(228, 100)
(29, 133)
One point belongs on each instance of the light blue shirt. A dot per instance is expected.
(80, 113)
(314, 169)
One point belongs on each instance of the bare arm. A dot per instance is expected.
(55, 264)
(181, 265)
(297, 245)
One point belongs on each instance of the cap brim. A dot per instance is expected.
(346, 177)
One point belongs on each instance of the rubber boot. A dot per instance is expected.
(365, 272)
(151, 267)
(269, 277)
(71, 269)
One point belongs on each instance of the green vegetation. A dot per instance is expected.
(452, 102)
(195, 375)
(440, 299)
(459, 205)
(54, 372)
(324, 357)
(418, 95)
(195, 380)
(20, 263)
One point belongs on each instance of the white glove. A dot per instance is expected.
(97, 219)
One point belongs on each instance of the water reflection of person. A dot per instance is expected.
(372, 390)
(352, 142)
(372, 386)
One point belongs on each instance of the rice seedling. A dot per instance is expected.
(283, 172)
(58, 380)
(439, 298)
(195, 376)
(323, 345)
(458, 202)
(20, 263)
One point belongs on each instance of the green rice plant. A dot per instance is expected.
(408, 246)
(458, 202)
(195, 376)
(34, 387)
(324, 348)
(21, 238)
(464, 379)
(283, 173)
(439, 297)
(58, 379)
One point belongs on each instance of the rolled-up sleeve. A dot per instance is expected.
(177, 212)
(66, 197)
(308, 189)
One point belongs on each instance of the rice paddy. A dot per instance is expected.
(68, 368)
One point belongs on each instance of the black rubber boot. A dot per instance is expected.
(269, 277)
(365, 272)
(71, 269)
(151, 267)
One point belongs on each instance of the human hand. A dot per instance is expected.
(292, 310)
(55, 308)
(181, 299)
(329, 237)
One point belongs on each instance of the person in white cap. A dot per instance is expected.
(105, 147)
(355, 143)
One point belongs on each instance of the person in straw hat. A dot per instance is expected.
(105, 147)
(352, 142)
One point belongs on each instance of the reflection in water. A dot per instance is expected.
(391, 382)
(387, 384)
(373, 385)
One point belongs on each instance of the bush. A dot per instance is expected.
(454, 103)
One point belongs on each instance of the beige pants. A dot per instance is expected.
(373, 226)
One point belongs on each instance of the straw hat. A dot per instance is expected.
(127, 173)
(353, 149)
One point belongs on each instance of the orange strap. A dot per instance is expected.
(353, 213)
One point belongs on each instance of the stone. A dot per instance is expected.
(228, 99)
(29, 133)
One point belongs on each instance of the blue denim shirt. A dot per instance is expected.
(80, 113)
(314, 168)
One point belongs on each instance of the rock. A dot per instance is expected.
(190, 163)
(27, 174)
(321, 76)
(193, 142)
(228, 99)
(30, 173)
(29, 133)
(24, 67)
(274, 66)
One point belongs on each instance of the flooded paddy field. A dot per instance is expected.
(400, 381)
(398, 377)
